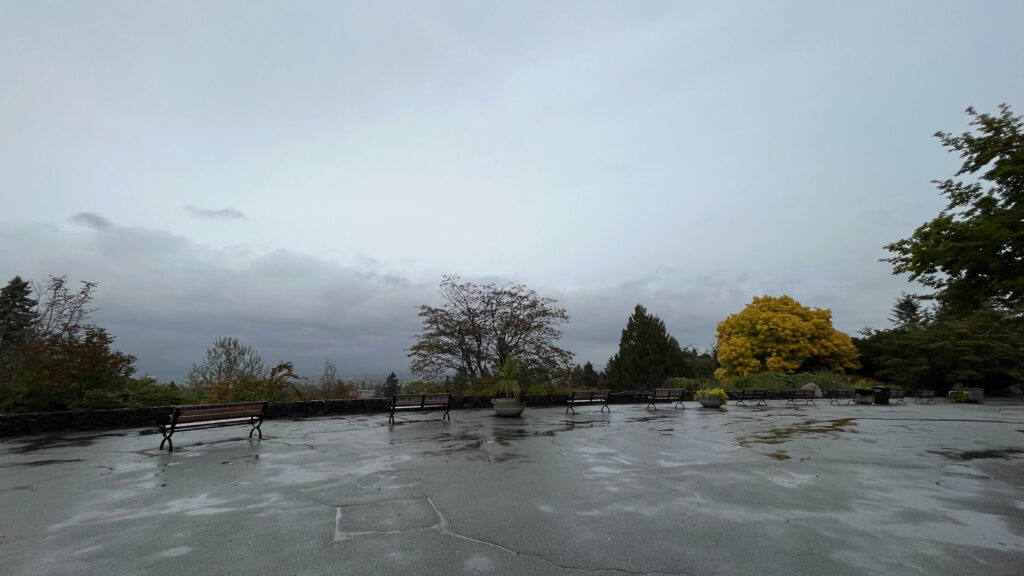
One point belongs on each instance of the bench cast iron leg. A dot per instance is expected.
(167, 439)
(256, 428)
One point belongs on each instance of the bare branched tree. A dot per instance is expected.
(329, 379)
(480, 326)
(227, 362)
(62, 311)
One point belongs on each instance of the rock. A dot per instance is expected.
(817, 391)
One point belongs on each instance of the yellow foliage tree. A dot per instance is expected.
(781, 335)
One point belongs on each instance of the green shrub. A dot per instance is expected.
(781, 381)
(690, 383)
(714, 392)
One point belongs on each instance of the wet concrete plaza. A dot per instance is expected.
(816, 490)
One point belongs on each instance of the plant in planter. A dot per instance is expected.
(507, 401)
(711, 397)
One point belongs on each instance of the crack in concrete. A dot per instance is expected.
(442, 527)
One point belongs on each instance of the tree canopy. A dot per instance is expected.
(972, 253)
(972, 257)
(391, 386)
(227, 362)
(479, 326)
(18, 315)
(647, 356)
(980, 348)
(55, 358)
(778, 334)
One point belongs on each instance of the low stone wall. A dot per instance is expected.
(44, 422)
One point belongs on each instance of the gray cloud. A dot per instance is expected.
(614, 157)
(165, 297)
(221, 214)
(90, 220)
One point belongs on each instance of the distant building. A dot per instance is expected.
(365, 394)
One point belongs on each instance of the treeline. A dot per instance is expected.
(971, 256)
(968, 331)
(54, 357)
(935, 348)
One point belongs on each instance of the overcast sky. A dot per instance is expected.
(299, 175)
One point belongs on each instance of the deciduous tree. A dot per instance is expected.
(972, 253)
(228, 363)
(780, 335)
(62, 310)
(479, 326)
(981, 348)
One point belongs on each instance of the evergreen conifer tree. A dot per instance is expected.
(391, 386)
(18, 316)
(647, 355)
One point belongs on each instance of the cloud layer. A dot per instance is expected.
(220, 214)
(165, 297)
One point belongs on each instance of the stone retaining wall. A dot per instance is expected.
(44, 422)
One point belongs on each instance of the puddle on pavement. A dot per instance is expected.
(49, 442)
(40, 463)
(806, 428)
(1002, 454)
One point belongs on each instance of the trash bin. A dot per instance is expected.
(976, 395)
(881, 394)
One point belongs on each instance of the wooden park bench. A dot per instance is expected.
(792, 396)
(579, 397)
(201, 416)
(666, 395)
(926, 397)
(420, 403)
(744, 394)
(834, 396)
(897, 397)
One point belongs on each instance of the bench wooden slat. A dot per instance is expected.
(202, 409)
(742, 395)
(836, 395)
(420, 402)
(199, 416)
(799, 394)
(926, 397)
(588, 397)
(666, 395)
(192, 417)
(229, 405)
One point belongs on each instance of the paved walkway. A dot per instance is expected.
(826, 490)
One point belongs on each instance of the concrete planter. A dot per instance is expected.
(508, 407)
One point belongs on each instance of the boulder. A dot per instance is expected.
(817, 391)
